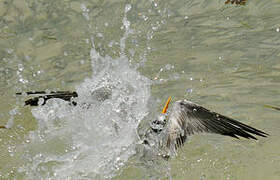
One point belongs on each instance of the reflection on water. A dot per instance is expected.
(225, 57)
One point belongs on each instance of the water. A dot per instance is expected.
(225, 58)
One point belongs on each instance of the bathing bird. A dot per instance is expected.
(168, 132)
(188, 118)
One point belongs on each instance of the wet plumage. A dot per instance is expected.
(45, 96)
(188, 118)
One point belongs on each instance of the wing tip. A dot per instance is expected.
(34, 101)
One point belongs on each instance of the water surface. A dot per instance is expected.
(224, 57)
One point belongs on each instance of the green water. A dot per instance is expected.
(224, 57)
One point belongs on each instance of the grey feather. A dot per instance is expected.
(188, 118)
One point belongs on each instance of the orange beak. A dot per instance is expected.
(166, 105)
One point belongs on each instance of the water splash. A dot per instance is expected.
(96, 138)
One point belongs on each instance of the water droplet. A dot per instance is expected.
(20, 67)
(168, 67)
(127, 8)
(9, 51)
(41, 101)
(145, 18)
(189, 90)
(83, 7)
(100, 35)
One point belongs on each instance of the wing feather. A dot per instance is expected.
(188, 118)
(65, 95)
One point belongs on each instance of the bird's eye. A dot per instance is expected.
(158, 124)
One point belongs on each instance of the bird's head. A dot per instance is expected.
(159, 123)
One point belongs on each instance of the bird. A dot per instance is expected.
(188, 118)
(166, 133)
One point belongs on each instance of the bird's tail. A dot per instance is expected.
(38, 95)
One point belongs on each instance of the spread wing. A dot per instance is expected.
(188, 118)
(65, 95)
(100, 94)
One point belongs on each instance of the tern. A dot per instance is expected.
(188, 118)
(167, 133)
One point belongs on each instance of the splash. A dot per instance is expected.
(94, 139)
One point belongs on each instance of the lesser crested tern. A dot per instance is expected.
(167, 133)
